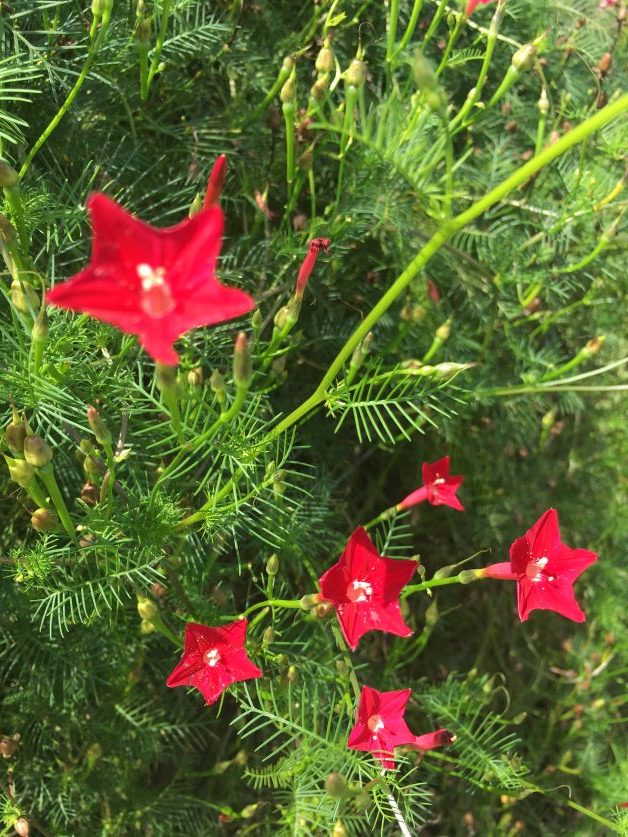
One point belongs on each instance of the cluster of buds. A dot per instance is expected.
(325, 63)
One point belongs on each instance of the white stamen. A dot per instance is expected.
(211, 657)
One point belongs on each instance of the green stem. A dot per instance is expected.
(36, 494)
(440, 237)
(14, 199)
(111, 466)
(144, 84)
(312, 187)
(342, 646)
(286, 603)
(288, 115)
(281, 79)
(427, 585)
(351, 97)
(385, 515)
(434, 24)
(449, 166)
(48, 478)
(172, 403)
(451, 42)
(436, 344)
(407, 35)
(392, 29)
(159, 45)
(91, 57)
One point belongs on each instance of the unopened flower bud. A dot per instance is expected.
(24, 296)
(98, 426)
(268, 636)
(339, 829)
(217, 384)
(249, 810)
(216, 181)
(445, 572)
(356, 73)
(39, 331)
(549, 418)
(543, 103)
(91, 469)
(242, 362)
(288, 64)
(44, 520)
(524, 57)
(281, 317)
(594, 345)
(36, 451)
(287, 93)
(20, 471)
(147, 609)
(335, 784)
(292, 675)
(361, 350)
(146, 627)
(443, 331)
(272, 565)
(9, 178)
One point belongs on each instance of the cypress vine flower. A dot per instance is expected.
(364, 588)
(439, 488)
(380, 726)
(473, 4)
(155, 283)
(545, 570)
(213, 659)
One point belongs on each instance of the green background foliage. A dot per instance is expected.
(538, 708)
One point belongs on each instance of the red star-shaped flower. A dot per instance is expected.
(155, 283)
(439, 488)
(544, 569)
(473, 4)
(380, 726)
(213, 659)
(364, 588)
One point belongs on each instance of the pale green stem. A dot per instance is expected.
(407, 35)
(48, 478)
(91, 56)
(434, 24)
(392, 29)
(159, 45)
(440, 237)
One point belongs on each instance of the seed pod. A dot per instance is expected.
(15, 433)
(292, 675)
(287, 93)
(325, 59)
(356, 74)
(268, 636)
(594, 345)
(319, 88)
(217, 383)
(44, 520)
(146, 627)
(323, 610)
(36, 451)
(90, 494)
(443, 331)
(543, 103)
(21, 827)
(605, 63)
(281, 317)
(195, 376)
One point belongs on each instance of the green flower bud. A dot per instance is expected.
(288, 64)
(195, 376)
(443, 331)
(543, 103)
(44, 520)
(196, 205)
(242, 362)
(292, 675)
(217, 384)
(469, 576)
(309, 601)
(98, 426)
(272, 565)
(594, 345)
(147, 609)
(287, 93)
(36, 451)
(146, 627)
(9, 178)
(91, 469)
(319, 88)
(268, 636)
(281, 317)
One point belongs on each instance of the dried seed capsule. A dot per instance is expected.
(44, 520)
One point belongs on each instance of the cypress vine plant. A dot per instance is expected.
(367, 334)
